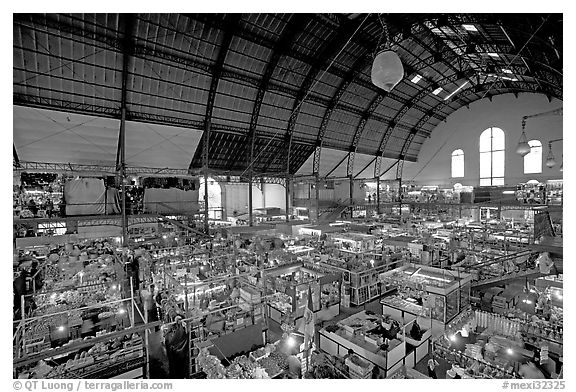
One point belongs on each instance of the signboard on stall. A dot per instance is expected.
(415, 249)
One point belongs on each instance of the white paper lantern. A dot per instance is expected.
(387, 70)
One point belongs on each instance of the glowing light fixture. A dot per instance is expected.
(492, 54)
(550, 160)
(458, 89)
(416, 79)
(387, 68)
(523, 148)
(452, 338)
(469, 27)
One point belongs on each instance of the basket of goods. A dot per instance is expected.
(359, 368)
(270, 365)
(259, 354)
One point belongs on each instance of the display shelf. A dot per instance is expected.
(80, 344)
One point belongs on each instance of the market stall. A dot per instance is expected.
(288, 286)
(384, 341)
(485, 345)
(427, 293)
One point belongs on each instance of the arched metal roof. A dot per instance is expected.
(275, 88)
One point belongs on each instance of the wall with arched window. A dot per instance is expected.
(457, 163)
(533, 160)
(462, 131)
(492, 156)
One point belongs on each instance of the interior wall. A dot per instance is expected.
(462, 130)
(342, 190)
(274, 196)
(235, 198)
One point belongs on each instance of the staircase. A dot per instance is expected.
(529, 274)
(524, 274)
(178, 223)
(331, 216)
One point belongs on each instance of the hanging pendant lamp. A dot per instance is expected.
(523, 147)
(550, 160)
(387, 68)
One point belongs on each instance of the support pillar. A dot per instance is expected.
(206, 226)
(287, 198)
(351, 189)
(400, 196)
(317, 201)
(378, 195)
(123, 175)
(250, 205)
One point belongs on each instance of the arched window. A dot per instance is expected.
(457, 163)
(533, 160)
(492, 155)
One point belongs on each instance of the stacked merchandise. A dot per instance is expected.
(535, 332)
(358, 368)
(326, 366)
(251, 299)
(104, 358)
(471, 364)
(61, 301)
(265, 362)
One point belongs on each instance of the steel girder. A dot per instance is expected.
(103, 169)
(127, 49)
(65, 106)
(15, 158)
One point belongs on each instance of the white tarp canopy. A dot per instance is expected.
(55, 137)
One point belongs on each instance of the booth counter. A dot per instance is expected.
(355, 333)
(290, 285)
(432, 294)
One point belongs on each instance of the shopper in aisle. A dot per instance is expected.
(176, 343)
(432, 363)
(147, 296)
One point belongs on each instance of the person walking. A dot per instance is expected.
(432, 363)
